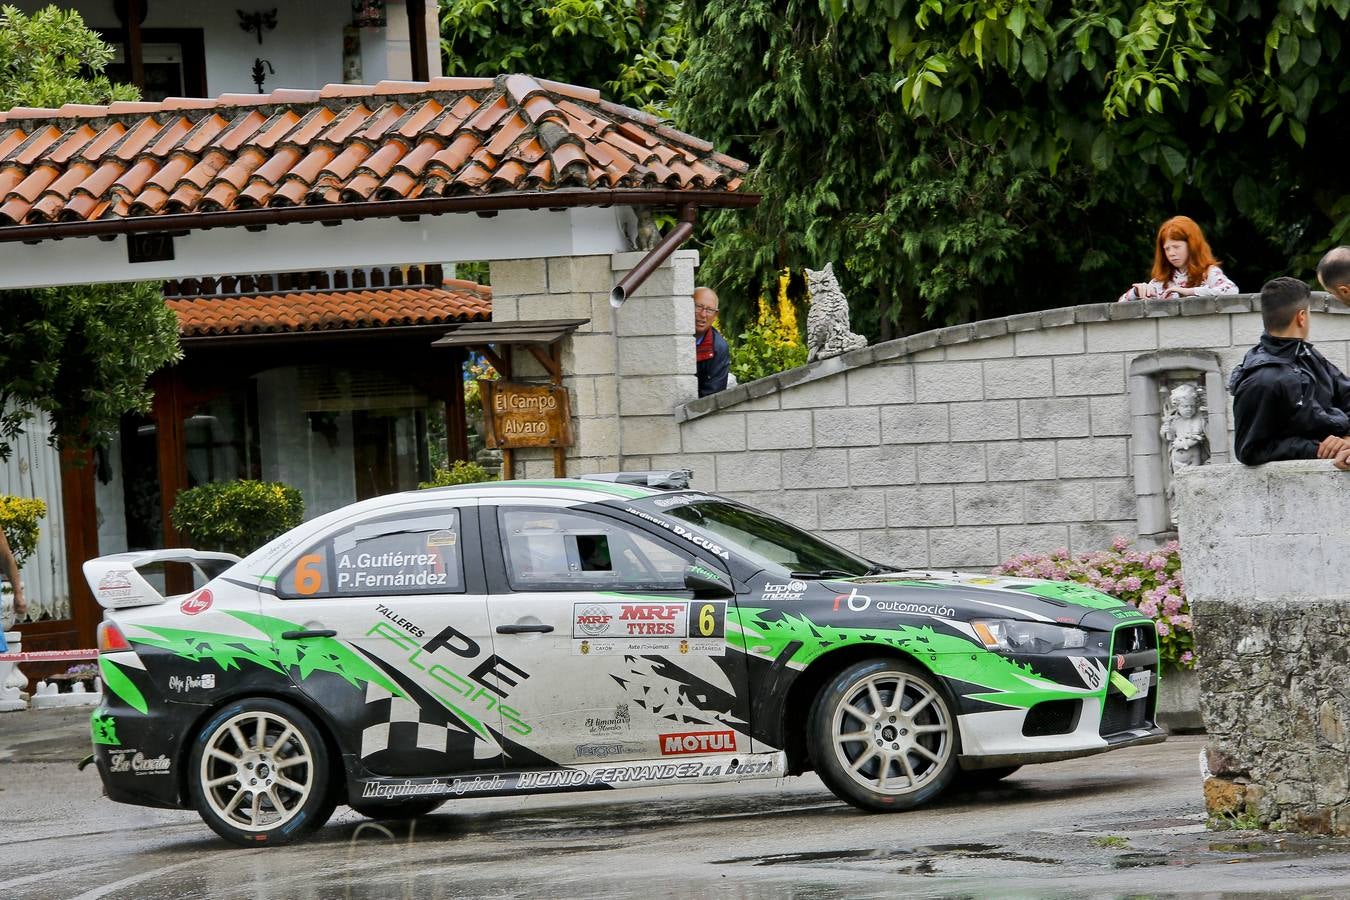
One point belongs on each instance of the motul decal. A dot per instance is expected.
(199, 602)
(698, 742)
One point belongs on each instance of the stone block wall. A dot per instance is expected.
(965, 445)
(1266, 553)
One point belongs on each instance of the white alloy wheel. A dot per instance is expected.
(884, 736)
(260, 772)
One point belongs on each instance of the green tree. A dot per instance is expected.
(50, 58)
(961, 160)
(629, 49)
(79, 356)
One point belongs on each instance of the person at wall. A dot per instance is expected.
(710, 348)
(1334, 273)
(1289, 402)
(1183, 265)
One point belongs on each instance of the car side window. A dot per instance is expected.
(564, 550)
(406, 553)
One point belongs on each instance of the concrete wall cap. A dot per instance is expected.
(1230, 304)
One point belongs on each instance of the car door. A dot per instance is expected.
(624, 662)
(387, 615)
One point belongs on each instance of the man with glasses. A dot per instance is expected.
(710, 348)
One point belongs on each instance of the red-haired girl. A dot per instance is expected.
(1183, 265)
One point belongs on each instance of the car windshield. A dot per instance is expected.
(771, 542)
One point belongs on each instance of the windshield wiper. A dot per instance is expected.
(879, 569)
(823, 573)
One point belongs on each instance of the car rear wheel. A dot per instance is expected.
(401, 809)
(259, 773)
(883, 736)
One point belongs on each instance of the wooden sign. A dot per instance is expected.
(526, 415)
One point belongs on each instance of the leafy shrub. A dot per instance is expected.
(1148, 581)
(774, 343)
(461, 472)
(237, 516)
(19, 517)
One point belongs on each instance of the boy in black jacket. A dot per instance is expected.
(1289, 402)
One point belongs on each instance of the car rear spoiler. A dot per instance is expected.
(117, 585)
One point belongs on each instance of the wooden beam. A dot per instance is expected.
(417, 38)
(551, 365)
(456, 427)
(134, 51)
(171, 450)
(81, 515)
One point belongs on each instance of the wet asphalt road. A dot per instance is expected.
(1126, 824)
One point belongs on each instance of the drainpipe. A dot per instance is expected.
(657, 255)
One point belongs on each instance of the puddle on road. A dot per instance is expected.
(927, 856)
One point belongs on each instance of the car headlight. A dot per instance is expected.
(1014, 636)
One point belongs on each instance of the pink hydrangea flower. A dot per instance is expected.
(1163, 628)
(1131, 583)
(1149, 607)
(1187, 657)
(1120, 542)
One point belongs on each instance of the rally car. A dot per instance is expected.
(537, 636)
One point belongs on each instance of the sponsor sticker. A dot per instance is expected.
(677, 500)
(783, 593)
(196, 604)
(614, 774)
(124, 762)
(697, 742)
(622, 720)
(181, 684)
(442, 538)
(1092, 672)
(649, 627)
(401, 622)
(857, 602)
(115, 584)
(604, 751)
(680, 531)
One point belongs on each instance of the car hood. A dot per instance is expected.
(972, 595)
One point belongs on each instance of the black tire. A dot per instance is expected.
(396, 809)
(890, 765)
(977, 779)
(271, 789)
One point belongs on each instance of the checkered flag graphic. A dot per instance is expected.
(402, 727)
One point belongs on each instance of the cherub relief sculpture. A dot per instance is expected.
(827, 331)
(1184, 424)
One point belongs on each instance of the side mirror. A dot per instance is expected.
(706, 582)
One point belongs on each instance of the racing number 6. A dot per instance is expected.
(711, 621)
(707, 621)
(308, 575)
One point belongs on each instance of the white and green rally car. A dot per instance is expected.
(535, 636)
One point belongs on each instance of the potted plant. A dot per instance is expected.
(236, 516)
(19, 531)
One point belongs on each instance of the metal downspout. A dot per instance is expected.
(657, 255)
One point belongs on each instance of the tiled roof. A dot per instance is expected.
(294, 311)
(344, 144)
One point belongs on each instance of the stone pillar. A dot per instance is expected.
(632, 366)
(655, 330)
(1266, 556)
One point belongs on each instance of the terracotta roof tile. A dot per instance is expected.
(349, 143)
(300, 311)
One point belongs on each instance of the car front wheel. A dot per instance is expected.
(883, 736)
(259, 773)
